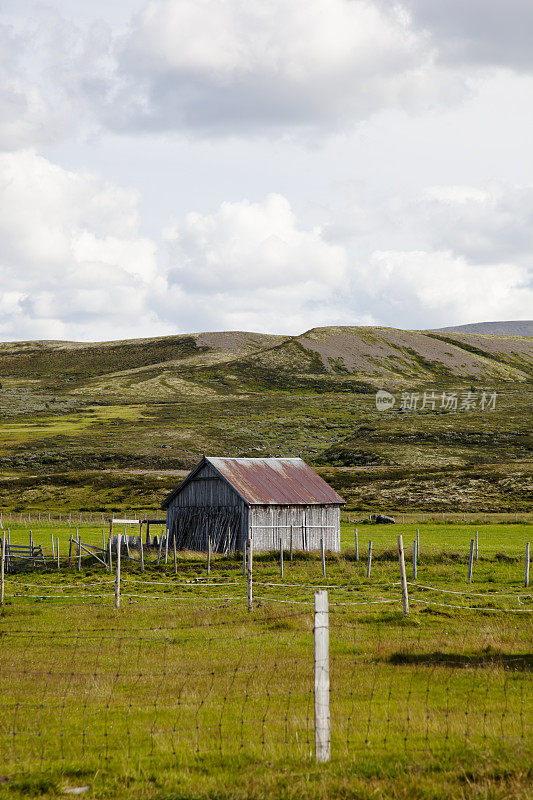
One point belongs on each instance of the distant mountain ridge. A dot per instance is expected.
(518, 327)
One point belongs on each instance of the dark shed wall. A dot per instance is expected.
(206, 506)
(207, 488)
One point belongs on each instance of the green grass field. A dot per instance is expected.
(184, 694)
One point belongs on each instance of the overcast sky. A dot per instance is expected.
(173, 166)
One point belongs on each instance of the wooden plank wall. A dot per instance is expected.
(208, 503)
(310, 523)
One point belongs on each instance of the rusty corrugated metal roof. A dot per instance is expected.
(277, 481)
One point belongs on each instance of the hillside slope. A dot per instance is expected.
(517, 327)
(87, 418)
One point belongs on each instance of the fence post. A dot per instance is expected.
(208, 555)
(281, 557)
(79, 553)
(471, 561)
(323, 557)
(291, 545)
(70, 550)
(57, 548)
(103, 544)
(526, 573)
(2, 569)
(166, 545)
(117, 575)
(249, 573)
(414, 559)
(369, 562)
(476, 546)
(141, 553)
(322, 714)
(405, 596)
(356, 544)
(110, 555)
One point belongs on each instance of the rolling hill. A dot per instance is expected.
(103, 423)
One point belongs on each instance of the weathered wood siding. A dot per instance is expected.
(310, 523)
(208, 504)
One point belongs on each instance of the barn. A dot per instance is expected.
(231, 499)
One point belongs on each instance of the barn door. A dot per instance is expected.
(192, 526)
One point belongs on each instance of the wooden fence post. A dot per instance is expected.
(3, 569)
(281, 557)
(166, 545)
(526, 573)
(79, 551)
(141, 553)
(369, 562)
(323, 557)
(117, 574)
(471, 561)
(291, 545)
(249, 573)
(356, 544)
(414, 559)
(403, 578)
(110, 554)
(70, 550)
(322, 712)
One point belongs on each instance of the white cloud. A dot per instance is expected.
(252, 265)
(487, 225)
(486, 32)
(431, 289)
(74, 265)
(246, 65)
(72, 261)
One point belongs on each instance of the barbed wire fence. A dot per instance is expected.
(294, 682)
(69, 518)
(182, 667)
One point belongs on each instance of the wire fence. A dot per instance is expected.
(55, 517)
(210, 679)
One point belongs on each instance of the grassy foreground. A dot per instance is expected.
(184, 694)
